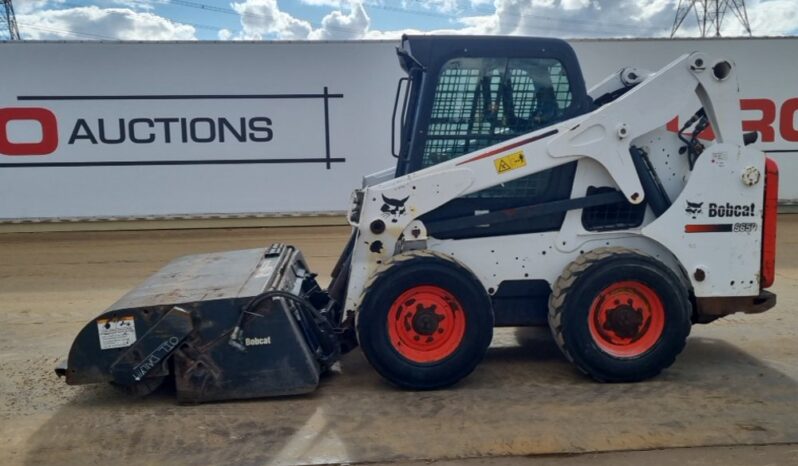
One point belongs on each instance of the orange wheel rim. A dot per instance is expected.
(626, 319)
(426, 324)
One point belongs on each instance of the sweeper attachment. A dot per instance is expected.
(238, 324)
(519, 198)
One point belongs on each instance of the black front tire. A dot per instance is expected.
(407, 272)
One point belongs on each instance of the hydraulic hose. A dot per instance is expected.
(322, 331)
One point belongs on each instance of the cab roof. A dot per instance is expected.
(432, 51)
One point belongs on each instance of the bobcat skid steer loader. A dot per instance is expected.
(519, 198)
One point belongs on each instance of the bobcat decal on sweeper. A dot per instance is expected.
(518, 198)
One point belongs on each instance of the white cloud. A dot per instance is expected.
(134, 4)
(263, 19)
(602, 18)
(441, 6)
(575, 4)
(225, 34)
(654, 7)
(558, 18)
(92, 22)
(28, 6)
(541, 3)
(332, 3)
(619, 18)
(575, 18)
(338, 25)
(23, 7)
(349, 19)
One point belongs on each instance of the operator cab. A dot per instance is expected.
(465, 93)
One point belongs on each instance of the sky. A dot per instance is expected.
(373, 19)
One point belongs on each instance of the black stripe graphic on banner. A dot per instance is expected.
(180, 97)
(324, 160)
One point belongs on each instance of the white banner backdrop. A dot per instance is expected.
(112, 129)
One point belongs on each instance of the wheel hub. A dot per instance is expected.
(425, 320)
(626, 319)
(426, 324)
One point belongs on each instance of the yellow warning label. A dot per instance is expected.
(510, 162)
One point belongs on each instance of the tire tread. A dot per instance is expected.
(560, 292)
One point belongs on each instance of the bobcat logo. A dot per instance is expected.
(393, 208)
(694, 208)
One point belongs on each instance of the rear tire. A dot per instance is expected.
(425, 321)
(619, 315)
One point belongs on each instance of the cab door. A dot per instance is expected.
(479, 102)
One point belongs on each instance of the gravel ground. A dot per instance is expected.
(736, 384)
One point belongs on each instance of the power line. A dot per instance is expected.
(67, 32)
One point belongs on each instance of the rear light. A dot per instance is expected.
(768, 274)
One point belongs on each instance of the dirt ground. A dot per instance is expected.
(734, 389)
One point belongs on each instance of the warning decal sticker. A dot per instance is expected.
(116, 333)
(510, 162)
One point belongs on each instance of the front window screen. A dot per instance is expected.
(482, 101)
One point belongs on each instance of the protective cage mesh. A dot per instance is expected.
(483, 101)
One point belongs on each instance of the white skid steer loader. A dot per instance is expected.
(519, 198)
